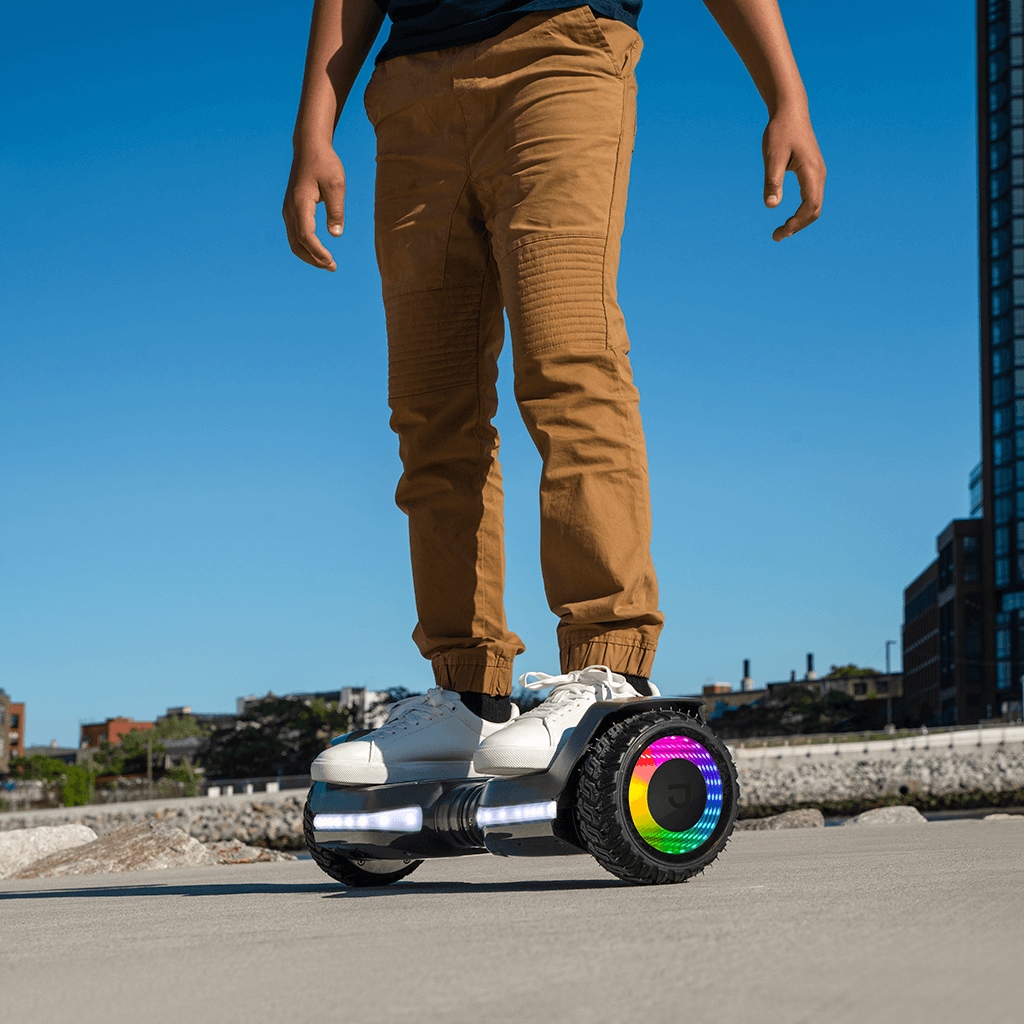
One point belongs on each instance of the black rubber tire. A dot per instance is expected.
(349, 870)
(601, 800)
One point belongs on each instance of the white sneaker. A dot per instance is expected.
(429, 736)
(529, 744)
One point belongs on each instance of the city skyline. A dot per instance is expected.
(746, 684)
(198, 466)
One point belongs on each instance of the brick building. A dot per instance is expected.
(111, 730)
(5, 713)
(16, 730)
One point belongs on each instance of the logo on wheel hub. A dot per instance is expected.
(675, 794)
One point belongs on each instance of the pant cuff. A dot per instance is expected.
(619, 656)
(486, 674)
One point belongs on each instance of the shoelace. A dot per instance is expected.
(594, 680)
(420, 708)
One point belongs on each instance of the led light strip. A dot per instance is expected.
(516, 812)
(403, 819)
(666, 749)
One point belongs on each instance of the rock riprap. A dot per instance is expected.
(132, 848)
(262, 819)
(234, 851)
(897, 815)
(23, 846)
(274, 820)
(805, 817)
(822, 781)
(142, 847)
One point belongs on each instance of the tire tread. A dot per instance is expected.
(597, 816)
(341, 868)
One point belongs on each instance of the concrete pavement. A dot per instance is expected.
(901, 923)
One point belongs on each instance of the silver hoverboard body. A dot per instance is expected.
(644, 786)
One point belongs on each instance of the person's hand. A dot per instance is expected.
(317, 176)
(789, 144)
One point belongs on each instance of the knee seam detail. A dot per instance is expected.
(549, 236)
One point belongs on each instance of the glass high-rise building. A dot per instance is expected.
(1001, 248)
(963, 622)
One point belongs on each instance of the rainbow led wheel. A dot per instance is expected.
(656, 799)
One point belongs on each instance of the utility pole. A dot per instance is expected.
(888, 687)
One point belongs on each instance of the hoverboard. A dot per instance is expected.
(642, 785)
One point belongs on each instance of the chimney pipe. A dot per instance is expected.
(747, 683)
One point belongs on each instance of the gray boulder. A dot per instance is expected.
(899, 815)
(21, 847)
(806, 817)
(131, 848)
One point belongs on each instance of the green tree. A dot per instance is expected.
(277, 736)
(139, 748)
(77, 785)
(107, 759)
(180, 727)
(74, 781)
(527, 700)
(187, 774)
(38, 766)
(387, 697)
(793, 709)
(841, 671)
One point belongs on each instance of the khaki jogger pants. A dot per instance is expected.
(502, 170)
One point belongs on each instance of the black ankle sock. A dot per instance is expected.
(490, 709)
(641, 684)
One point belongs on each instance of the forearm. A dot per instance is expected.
(757, 33)
(340, 36)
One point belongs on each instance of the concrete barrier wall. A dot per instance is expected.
(964, 741)
(768, 779)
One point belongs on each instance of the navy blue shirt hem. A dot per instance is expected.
(402, 42)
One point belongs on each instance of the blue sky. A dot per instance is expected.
(197, 471)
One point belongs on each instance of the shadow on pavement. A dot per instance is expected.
(476, 888)
(242, 889)
(330, 889)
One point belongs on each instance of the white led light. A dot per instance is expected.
(404, 819)
(516, 812)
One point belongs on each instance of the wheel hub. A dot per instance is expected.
(675, 794)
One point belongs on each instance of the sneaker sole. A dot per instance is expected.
(512, 760)
(378, 774)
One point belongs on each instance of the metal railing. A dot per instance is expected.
(34, 794)
(880, 744)
(261, 784)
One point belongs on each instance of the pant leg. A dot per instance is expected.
(445, 331)
(550, 106)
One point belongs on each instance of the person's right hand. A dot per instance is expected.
(317, 176)
(788, 144)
